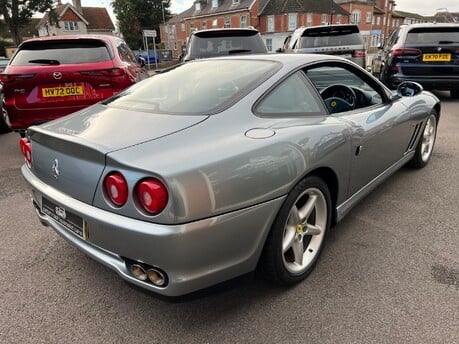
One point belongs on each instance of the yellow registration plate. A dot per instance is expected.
(62, 91)
(436, 57)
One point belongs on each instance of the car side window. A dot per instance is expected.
(342, 88)
(292, 97)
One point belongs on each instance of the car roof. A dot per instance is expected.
(229, 30)
(105, 38)
(429, 25)
(293, 60)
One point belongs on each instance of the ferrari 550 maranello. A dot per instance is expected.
(219, 167)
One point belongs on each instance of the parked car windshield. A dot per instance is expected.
(200, 87)
(211, 44)
(435, 36)
(314, 39)
(56, 52)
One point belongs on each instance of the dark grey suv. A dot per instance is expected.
(221, 42)
(425, 53)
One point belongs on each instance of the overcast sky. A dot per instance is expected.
(423, 7)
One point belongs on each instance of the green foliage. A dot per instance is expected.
(134, 16)
(17, 14)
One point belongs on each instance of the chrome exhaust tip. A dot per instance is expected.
(138, 272)
(156, 277)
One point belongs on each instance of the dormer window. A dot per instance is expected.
(214, 3)
(197, 6)
(235, 2)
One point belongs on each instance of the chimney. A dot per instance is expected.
(77, 5)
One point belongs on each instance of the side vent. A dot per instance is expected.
(414, 136)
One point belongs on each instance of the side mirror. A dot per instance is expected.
(409, 89)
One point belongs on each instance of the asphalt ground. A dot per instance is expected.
(389, 274)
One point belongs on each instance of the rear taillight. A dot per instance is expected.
(358, 53)
(116, 188)
(5, 78)
(26, 150)
(457, 52)
(116, 72)
(152, 195)
(113, 72)
(405, 52)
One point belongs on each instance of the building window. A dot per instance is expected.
(309, 19)
(384, 21)
(227, 22)
(269, 44)
(214, 23)
(270, 23)
(292, 17)
(235, 2)
(324, 18)
(204, 25)
(175, 45)
(182, 26)
(369, 17)
(197, 6)
(378, 20)
(355, 17)
(191, 27)
(70, 26)
(214, 3)
(338, 19)
(243, 21)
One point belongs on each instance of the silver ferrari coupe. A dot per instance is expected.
(219, 167)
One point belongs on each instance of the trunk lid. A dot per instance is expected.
(69, 153)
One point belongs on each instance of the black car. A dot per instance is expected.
(221, 42)
(425, 53)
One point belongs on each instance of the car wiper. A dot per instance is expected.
(239, 51)
(447, 42)
(45, 61)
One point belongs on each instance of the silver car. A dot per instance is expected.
(221, 166)
(343, 40)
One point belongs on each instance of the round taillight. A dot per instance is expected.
(26, 150)
(152, 195)
(116, 188)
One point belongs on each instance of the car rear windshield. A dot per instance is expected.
(211, 44)
(421, 36)
(332, 37)
(56, 52)
(200, 87)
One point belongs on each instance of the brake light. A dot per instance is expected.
(152, 195)
(405, 52)
(12, 77)
(26, 150)
(116, 72)
(113, 72)
(358, 53)
(116, 188)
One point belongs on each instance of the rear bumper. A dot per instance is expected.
(443, 83)
(194, 255)
(21, 119)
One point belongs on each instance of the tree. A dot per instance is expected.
(17, 13)
(134, 16)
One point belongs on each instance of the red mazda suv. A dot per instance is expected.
(50, 77)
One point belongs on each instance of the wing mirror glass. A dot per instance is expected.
(409, 89)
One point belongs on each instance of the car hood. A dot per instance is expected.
(108, 129)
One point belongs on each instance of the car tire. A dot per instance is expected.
(454, 93)
(4, 128)
(426, 143)
(298, 233)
